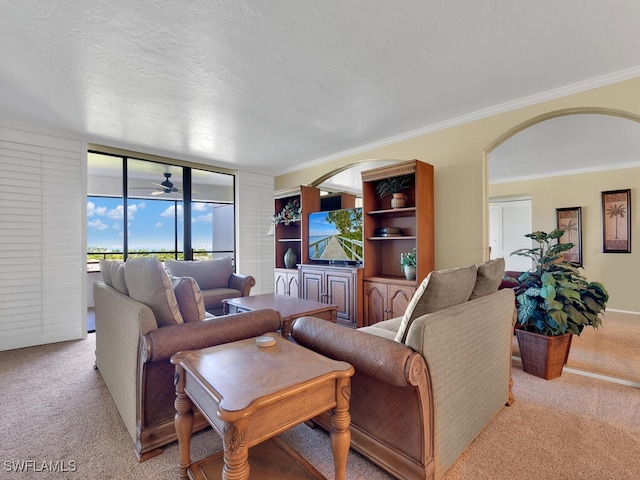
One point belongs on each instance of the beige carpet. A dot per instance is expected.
(55, 407)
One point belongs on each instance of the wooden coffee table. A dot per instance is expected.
(289, 308)
(249, 394)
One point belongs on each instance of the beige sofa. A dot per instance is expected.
(216, 279)
(426, 383)
(142, 319)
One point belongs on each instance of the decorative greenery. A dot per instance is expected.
(555, 298)
(291, 212)
(392, 185)
(408, 258)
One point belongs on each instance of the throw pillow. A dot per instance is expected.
(148, 283)
(441, 289)
(189, 298)
(490, 276)
(208, 273)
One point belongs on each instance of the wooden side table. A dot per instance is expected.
(250, 393)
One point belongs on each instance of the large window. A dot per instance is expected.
(150, 218)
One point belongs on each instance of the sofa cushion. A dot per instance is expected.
(117, 277)
(441, 289)
(489, 277)
(208, 273)
(148, 283)
(189, 298)
(105, 269)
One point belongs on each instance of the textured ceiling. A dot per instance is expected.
(272, 86)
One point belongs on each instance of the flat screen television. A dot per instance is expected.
(336, 236)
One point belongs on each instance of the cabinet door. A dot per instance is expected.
(374, 303)
(281, 283)
(339, 288)
(312, 285)
(292, 285)
(398, 298)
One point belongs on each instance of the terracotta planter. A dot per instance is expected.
(398, 200)
(541, 355)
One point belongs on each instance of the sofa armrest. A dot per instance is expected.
(380, 358)
(164, 342)
(244, 283)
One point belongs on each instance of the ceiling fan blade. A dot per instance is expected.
(158, 185)
(157, 192)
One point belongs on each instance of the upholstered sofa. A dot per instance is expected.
(142, 319)
(216, 280)
(426, 383)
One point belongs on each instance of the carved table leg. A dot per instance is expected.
(236, 453)
(340, 433)
(183, 422)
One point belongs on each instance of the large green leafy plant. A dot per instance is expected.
(555, 298)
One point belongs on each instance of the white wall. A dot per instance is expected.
(616, 271)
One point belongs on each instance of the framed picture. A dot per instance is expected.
(616, 221)
(570, 220)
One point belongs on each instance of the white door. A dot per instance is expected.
(509, 221)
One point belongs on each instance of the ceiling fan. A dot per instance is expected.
(166, 186)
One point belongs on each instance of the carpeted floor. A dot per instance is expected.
(55, 407)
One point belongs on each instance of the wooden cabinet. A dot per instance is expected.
(384, 300)
(286, 282)
(415, 225)
(293, 234)
(340, 286)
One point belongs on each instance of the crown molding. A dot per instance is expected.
(579, 171)
(553, 94)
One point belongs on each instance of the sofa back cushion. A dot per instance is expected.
(441, 289)
(489, 277)
(105, 269)
(113, 275)
(148, 283)
(208, 274)
(189, 298)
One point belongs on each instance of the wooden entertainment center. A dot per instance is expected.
(375, 290)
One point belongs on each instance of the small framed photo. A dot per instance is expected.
(570, 220)
(616, 221)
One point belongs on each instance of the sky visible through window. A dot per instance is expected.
(151, 224)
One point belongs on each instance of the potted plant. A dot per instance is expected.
(408, 264)
(290, 213)
(393, 186)
(554, 301)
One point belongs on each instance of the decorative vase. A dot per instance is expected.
(543, 356)
(398, 200)
(409, 272)
(290, 258)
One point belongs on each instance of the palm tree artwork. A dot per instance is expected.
(615, 211)
(616, 215)
(569, 226)
(569, 222)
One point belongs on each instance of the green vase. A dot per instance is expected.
(290, 258)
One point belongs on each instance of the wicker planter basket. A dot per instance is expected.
(541, 355)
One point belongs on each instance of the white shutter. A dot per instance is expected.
(42, 259)
(255, 253)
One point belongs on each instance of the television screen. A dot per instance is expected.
(336, 235)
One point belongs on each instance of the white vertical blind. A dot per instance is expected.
(254, 203)
(41, 239)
